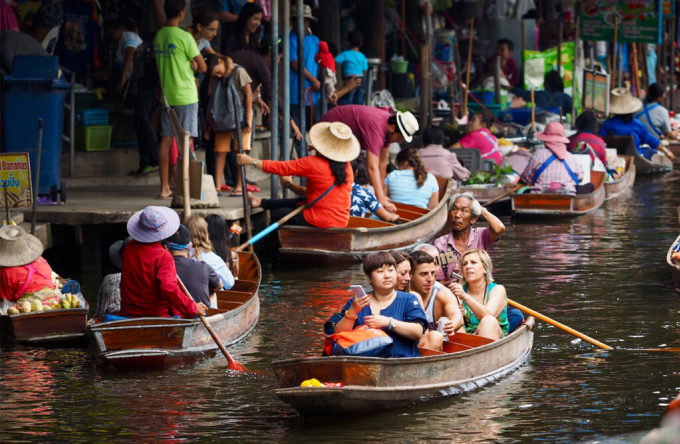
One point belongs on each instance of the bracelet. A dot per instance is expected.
(390, 326)
(350, 317)
(255, 163)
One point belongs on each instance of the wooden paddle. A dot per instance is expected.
(244, 182)
(233, 364)
(550, 321)
(270, 228)
(464, 112)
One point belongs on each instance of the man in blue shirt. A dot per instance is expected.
(309, 69)
(353, 64)
(624, 107)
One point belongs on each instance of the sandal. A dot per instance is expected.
(225, 187)
(254, 189)
(236, 194)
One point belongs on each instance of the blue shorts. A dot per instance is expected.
(188, 117)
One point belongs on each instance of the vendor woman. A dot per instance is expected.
(22, 268)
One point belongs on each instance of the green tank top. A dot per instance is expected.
(471, 320)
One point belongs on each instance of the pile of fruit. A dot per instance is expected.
(42, 300)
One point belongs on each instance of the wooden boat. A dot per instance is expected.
(484, 194)
(143, 343)
(619, 186)
(675, 267)
(548, 204)
(625, 145)
(371, 385)
(363, 235)
(48, 326)
(674, 147)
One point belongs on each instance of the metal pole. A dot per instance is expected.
(301, 77)
(285, 65)
(275, 93)
(72, 128)
(37, 175)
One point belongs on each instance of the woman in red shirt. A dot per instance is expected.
(22, 268)
(329, 177)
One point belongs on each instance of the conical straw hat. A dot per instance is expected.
(621, 101)
(18, 247)
(335, 141)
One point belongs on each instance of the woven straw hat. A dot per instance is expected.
(621, 101)
(18, 247)
(335, 141)
(408, 125)
(306, 12)
(153, 224)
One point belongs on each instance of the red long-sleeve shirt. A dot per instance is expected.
(332, 210)
(13, 279)
(148, 283)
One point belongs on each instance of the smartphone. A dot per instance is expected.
(358, 291)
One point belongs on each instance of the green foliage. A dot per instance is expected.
(482, 177)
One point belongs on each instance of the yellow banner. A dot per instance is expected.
(15, 180)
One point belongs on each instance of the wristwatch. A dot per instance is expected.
(390, 326)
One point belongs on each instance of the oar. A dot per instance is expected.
(559, 325)
(244, 182)
(233, 364)
(503, 194)
(270, 228)
(550, 321)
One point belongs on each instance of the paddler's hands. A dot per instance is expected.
(388, 205)
(244, 159)
(202, 309)
(376, 321)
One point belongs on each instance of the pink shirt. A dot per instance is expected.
(368, 124)
(449, 256)
(442, 162)
(554, 173)
(485, 142)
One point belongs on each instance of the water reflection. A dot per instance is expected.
(603, 274)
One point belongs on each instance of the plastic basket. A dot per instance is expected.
(93, 138)
(399, 66)
(93, 116)
(476, 107)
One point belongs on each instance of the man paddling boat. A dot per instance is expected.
(465, 211)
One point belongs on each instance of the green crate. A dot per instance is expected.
(93, 137)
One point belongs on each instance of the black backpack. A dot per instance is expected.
(225, 105)
(144, 70)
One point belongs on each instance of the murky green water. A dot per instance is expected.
(603, 274)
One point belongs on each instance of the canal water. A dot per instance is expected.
(603, 274)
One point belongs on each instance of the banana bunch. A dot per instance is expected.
(70, 301)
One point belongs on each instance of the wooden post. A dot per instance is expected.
(560, 31)
(426, 72)
(533, 111)
(185, 176)
(634, 69)
(616, 46)
(524, 36)
(468, 65)
(497, 80)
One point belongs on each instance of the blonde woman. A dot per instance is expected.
(203, 250)
(483, 303)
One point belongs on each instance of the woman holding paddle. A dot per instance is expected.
(329, 178)
(484, 304)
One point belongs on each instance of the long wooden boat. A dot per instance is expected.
(48, 326)
(363, 235)
(549, 204)
(624, 183)
(625, 145)
(675, 267)
(151, 343)
(486, 193)
(374, 384)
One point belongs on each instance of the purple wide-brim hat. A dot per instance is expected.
(153, 224)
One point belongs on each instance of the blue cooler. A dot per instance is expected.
(34, 91)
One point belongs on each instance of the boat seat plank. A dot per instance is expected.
(470, 340)
(232, 296)
(243, 285)
(453, 347)
(355, 222)
(429, 352)
(410, 208)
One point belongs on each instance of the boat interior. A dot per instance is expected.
(407, 213)
(459, 342)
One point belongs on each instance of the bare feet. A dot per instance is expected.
(165, 193)
(255, 202)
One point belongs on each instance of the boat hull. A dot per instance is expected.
(152, 343)
(375, 384)
(565, 205)
(485, 194)
(675, 268)
(674, 147)
(617, 187)
(364, 236)
(626, 146)
(45, 326)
